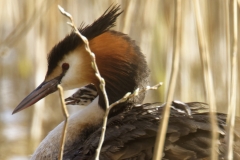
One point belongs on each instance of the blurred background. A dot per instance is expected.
(30, 28)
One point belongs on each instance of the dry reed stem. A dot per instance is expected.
(102, 83)
(227, 29)
(97, 73)
(135, 93)
(233, 89)
(160, 140)
(203, 49)
(125, 98)
(66, 115)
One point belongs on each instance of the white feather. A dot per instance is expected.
(49, 147)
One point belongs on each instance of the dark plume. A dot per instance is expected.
(71, 41)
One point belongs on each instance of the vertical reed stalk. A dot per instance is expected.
(204, 53)
(160, 141)
(66, 115)
(233, 89)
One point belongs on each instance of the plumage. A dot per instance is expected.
(83, 96)
(132, 126)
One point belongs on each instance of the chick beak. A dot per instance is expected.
(40, 92)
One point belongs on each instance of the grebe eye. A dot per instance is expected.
(65, 66)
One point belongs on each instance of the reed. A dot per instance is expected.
(29, 29)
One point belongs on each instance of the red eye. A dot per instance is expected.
(65, 66)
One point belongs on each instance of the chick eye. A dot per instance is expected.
(65, 66)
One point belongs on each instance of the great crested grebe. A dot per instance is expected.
(132, 126)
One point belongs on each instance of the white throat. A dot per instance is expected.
(89, 116)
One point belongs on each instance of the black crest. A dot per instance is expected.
(71, 41)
